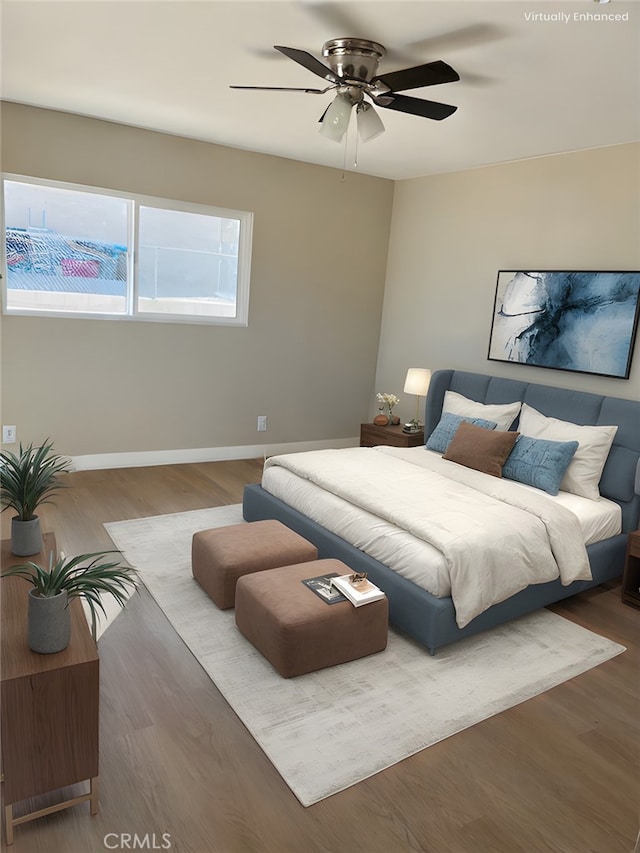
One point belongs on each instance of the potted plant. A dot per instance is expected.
(28, 479)
(86, 576)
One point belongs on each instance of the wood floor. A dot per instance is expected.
(557, 774)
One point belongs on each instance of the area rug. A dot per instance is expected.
(311, 727)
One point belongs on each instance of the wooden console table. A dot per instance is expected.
(49, 704)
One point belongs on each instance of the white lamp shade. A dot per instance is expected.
(417, 381)
(369, 122)
(336, 119)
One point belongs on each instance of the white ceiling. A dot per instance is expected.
(528, 87)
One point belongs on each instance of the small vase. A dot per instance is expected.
(26, 537)
(49, 622)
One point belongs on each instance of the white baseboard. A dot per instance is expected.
(144, 458)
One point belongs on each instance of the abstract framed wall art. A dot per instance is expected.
(584, 322)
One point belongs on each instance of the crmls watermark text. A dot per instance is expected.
(133, 841)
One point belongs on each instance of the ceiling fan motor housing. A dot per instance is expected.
(353, 59)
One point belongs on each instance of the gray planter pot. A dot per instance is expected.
(26, 537)
(49, 623)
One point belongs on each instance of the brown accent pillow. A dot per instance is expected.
(482, 449)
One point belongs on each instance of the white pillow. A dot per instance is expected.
(594, 442)
(503, 415)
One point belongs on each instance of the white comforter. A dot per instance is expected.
(496, 539)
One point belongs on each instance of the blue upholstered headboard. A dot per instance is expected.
(620, 479)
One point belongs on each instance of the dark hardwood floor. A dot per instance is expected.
(556, 774)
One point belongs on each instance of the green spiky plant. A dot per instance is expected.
(98, 576)
(30, 478)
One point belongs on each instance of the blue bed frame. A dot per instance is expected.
(430, 620)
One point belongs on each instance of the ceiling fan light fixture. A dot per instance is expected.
(369, 122)
(336, 119)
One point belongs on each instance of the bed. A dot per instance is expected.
(359, 505)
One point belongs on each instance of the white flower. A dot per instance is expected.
(389, 400)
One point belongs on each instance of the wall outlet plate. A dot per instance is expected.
(8, 434)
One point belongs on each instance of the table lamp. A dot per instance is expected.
(417, 382)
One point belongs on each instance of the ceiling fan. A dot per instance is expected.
(351, 71)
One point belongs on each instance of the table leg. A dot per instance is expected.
(8, 823)
(93, 794)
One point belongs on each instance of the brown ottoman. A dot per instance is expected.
(296, 630)
(220, 556)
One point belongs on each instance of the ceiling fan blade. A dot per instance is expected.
(285, 89)
(471, 35)
(415, 106)
(334, 17)
(430, 74)
(309, 62)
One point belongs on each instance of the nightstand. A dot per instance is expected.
(392, 436)
(631, 573)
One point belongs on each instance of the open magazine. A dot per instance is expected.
(322, 587)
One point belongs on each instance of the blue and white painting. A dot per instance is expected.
(579, 321)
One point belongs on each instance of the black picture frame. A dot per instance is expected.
(574, 320)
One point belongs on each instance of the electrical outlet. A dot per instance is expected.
(8, 434)
(262, 423)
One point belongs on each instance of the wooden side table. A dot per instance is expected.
(631, 573)
(392, 436)
(49, 704)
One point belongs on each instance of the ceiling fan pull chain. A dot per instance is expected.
(344, 158)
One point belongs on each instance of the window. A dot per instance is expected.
(73, 251)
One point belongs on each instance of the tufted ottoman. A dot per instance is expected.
(296, 630)
(220, 556)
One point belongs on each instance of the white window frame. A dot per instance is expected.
(131, 312)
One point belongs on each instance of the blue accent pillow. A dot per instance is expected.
(539, 462)
(448, 424)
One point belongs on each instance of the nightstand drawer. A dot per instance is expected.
(391, 436)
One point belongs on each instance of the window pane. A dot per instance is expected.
(187, 263)
(66, 250)
(70, 252)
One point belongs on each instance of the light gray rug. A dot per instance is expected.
(404, 699)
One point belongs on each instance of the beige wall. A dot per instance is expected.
(451, 233)
(307, 359)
